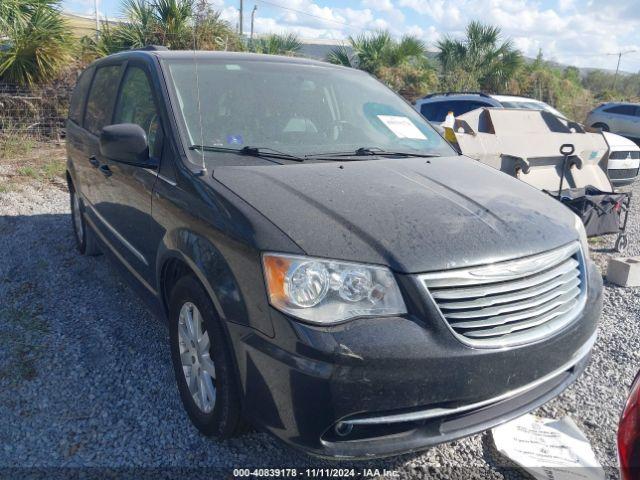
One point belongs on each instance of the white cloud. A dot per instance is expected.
(380, 5)
(430, 35)
(565, 5)
(579, 32)
(574, 31)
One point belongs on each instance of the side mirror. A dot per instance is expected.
(126, 143)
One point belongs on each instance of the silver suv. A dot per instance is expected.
(620, 118)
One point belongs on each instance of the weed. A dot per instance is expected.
(27, 171)
(54, 169)
(14, 143)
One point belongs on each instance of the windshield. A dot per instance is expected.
(533, 106)
(295, 108)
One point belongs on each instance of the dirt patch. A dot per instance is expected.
(33, 162)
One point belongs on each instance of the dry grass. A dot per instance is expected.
(27, 161)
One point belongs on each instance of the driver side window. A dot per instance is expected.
(135, 105)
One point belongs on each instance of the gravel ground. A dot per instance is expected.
(86, 379)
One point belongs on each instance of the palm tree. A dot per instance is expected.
(401, 64)
(38, 41)
(174, 19)
(371, 52)
(177, 24)
(141, 26)
(480, 60)
(214, 33)
(277, 44)
(19, 11)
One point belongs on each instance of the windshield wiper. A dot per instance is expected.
(264, 152)
(370, 152)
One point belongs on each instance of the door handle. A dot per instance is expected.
(94, 161)
(105, 170)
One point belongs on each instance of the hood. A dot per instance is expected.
(414, 215)
(618, 142)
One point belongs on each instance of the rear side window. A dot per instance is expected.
(622, 110)
(136, 105)
(101, 98)
(76, 106)
(437, 111)
(433, 111)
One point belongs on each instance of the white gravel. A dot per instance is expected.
(86, 378)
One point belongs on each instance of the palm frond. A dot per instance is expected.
(39, 45)
(479, 60)
(410, 47)
(340, 56)
(277, 44)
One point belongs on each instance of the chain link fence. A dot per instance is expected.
(37, 113)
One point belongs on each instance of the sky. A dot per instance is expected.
(585, 33)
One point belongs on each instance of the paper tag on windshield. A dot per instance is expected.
(402, 127)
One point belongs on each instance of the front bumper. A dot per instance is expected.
(621, 182)
(623, 171)
(385, 386)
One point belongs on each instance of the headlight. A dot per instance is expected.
(582, 233)
(330, 291)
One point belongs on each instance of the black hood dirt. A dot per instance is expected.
(414, 215)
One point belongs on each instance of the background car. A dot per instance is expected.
(624, 158)
(620, 118)
(434, 107)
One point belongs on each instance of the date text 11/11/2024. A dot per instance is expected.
(314, 473)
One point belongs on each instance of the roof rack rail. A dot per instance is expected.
(482, 94)
(151, 48)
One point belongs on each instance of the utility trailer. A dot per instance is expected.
(554, 155)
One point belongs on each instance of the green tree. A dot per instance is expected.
(410, 81)
(479, 61)
(174, 21)
(38, 41)
(370, 52)
(561, 88)
(141, 27)
(176, 24)
(276, 44)
(400, 64)
(212, 32)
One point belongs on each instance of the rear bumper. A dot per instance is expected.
(400, 384)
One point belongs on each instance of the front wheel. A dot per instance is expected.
(202, 361)
(85, 238)
(603, 127)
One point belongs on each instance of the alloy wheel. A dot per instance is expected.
(197, 365)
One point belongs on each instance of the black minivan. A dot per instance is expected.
(330, 270)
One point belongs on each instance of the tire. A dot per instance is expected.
(602, 126)
(84, 236)
(224, 419)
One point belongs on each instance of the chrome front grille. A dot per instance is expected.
(513, 302)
